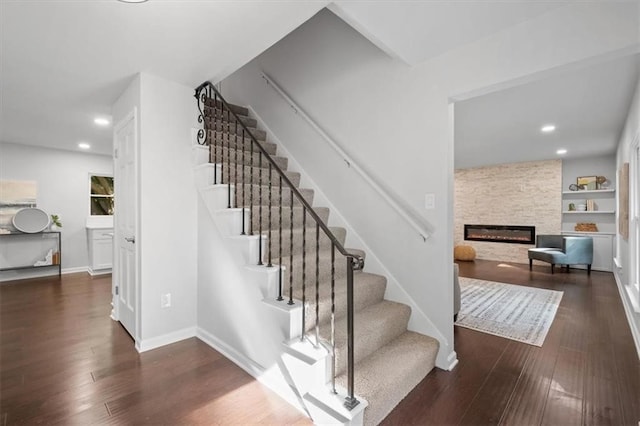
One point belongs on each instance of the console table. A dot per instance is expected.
(57, 261)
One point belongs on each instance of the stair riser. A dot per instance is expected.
(324, 271)
(236, 143)
(386, 327)
(239, 110)
(364, 295)
(245, 190)
(233, 156)
(309, 239)
(227, 131)
(323, 212)
(227, 118)
(246, 174)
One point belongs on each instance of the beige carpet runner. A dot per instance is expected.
(516, 312)
(390, 360)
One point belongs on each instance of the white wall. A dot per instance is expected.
(625, 261)
(395, 121)
(167, 216)
(62, 179)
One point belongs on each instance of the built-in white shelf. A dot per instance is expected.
(590, 191)
(589, 212)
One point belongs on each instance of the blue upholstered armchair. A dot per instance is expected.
(562, 250)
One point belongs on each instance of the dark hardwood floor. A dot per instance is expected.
(63, 361)
(587, 372)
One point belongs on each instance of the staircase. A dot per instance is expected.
(366, 350)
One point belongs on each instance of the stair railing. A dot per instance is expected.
(219, 120)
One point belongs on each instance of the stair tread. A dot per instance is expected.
(385, 377)
(374, 327)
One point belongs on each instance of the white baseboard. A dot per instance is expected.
(251, 367)
(98, 272)
(271, 378)
(165, 339)
(26, 274)
(629, 311)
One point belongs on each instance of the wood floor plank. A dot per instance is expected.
(64, 361)
(565, 402)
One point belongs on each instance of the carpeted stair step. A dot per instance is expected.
(324, 266)
(218, 154)
(385, 377)
(323, 212)
(245, 191)
(230, 119)
(239, 110)
(368, 289)
(374, 327)
(229, 130)
(236, 143)
(245, 174)
(309, 236)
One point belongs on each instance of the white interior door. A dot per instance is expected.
(125, 266)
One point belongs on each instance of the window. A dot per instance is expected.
(101, 199)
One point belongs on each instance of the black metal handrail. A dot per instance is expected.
(355, 262)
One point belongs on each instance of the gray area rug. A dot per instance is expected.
(512, 311)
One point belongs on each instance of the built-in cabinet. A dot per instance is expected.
(601, 203)
(100, 243)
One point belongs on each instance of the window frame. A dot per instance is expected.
(91, 195)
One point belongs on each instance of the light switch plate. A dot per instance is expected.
(430, 201)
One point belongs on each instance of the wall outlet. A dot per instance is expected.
(165, 300)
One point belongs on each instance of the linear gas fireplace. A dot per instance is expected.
(501, 233)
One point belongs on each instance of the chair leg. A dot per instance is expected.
(589, 269)
(552, 265)
(530, 264)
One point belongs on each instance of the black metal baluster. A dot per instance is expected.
(350, 401)
(214, 130)
(235, 169)
(333, 318)
(221, 141)
(244, 187)
(291, 253)
(260, 210)
(304, 270)
(317, 284)
(280, 298)
(251, 188)
(269, 264)
(228, 132)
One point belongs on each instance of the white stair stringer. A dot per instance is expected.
(268, 346)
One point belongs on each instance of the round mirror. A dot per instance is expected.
(31, 220)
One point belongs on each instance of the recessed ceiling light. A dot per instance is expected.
(84, 145)
(561, 151)
(101, 121)
(548, 128)
(132, 1)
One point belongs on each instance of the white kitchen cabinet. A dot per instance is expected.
(100, 244)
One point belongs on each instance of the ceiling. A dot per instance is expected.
(588, 106)
(65, 62)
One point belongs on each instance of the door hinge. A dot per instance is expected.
(117, 290)
(115, 153)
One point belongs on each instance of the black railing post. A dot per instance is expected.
(350, 401)
(280, 298)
